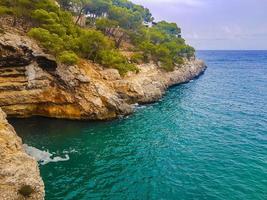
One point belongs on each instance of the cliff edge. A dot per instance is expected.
(32, 83)
(53, 75)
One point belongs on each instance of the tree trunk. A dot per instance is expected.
(108, 32)
(79, 16)
(118, 42)
(115, 31)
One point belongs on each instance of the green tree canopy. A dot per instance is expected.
(120, 20)
(168, 28)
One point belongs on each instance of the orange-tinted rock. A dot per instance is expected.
(35, 84)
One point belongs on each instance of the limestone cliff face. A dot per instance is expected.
(151, 83)
(19, 173)
(32, 83)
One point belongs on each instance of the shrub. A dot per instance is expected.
(44, 17)
(50, 41)
(68, 58)
(55, 28)
(137, 58)
(113, 59)
(106, 25)
(65, 19)
(110, 58)
(48, 5)
(167, 64)
(179, 60)
(162, 52)
(156, 36)
(49, 21)
(161, 43)
(5, 10)
(124, 68)
(91, 43)
(148, 50)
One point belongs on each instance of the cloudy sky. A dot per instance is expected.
(216, 24)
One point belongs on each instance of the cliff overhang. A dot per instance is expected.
(32, 83)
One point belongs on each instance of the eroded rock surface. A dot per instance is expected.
(32, 83)
(151, 83)
(19, 173)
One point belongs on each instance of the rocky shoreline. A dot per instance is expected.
(19, 173)
(33, 84)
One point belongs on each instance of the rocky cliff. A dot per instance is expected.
(19, 173)
(32, 83)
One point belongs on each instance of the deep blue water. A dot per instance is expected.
(204, 140)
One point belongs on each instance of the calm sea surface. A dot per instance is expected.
(204, 140)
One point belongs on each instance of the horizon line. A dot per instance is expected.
(231, 49)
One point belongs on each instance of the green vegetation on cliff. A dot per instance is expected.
(98, 29)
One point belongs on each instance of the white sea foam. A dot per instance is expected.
(137, 106)
(43, 157)
(141, 107)
(70, 151)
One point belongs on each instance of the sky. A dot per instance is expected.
(216, 24)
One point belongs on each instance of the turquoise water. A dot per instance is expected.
(204, 140)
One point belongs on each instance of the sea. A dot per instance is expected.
(206, 139)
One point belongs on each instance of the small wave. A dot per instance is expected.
(137, 106)
(141, 107)
(70, 151)
(43, 157)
